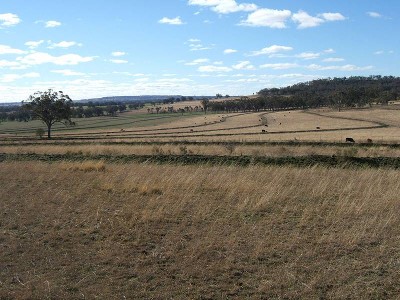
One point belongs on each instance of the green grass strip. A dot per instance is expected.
(298, 161)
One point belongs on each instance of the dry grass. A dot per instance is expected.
(86, 166)
(279, 123)
(282, 126)
(208, 149)
(145, 231)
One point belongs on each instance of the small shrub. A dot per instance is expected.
(157, 150)
(183, 150)
(39, 133)
(230, 147)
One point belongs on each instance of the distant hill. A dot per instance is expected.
(142, 98)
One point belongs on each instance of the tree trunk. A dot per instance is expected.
(49, 131)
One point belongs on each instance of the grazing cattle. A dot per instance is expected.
(369, 141)
(350, 140)
(266, 125)
(263, 131)
(191, 130)
(318, 127)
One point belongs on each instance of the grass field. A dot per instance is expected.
(106, 231)
(378, 124)
(203, 206)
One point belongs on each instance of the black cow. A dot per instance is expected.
(350, 140)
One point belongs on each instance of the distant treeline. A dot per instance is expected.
(79, 110)
(332, 92)
(110, 108)
(91, 109)
(14, 113)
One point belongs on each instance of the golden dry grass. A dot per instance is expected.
(85, 166)
(206, 149)
(146, 231)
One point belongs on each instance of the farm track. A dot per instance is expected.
(297, 161)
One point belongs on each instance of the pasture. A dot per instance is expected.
(245, 205)
(377, 124)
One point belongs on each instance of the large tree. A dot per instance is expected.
(50, 107)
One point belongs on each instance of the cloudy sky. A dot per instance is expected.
(96, 48)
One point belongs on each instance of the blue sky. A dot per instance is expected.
(96, 48)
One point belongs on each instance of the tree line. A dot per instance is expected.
(332, 92)
(78, 110)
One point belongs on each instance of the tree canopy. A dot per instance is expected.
(337, 93)
(50, 107)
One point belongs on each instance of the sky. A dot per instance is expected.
(99, 48)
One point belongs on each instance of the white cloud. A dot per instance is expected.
(333, 59)
(271, 50)
(230, 6)
(196, 45)
(374, 14)
(34, 44)
(119, 61)
(279, 66)
(51, 24)
(64, 44)
(8, 20)
(229, 51)
(224, 6)
(330, 50)
(118, 53)
(174, 21)
(265, 17)
(339, 68)
(199, 47)
(68, 73)
(197, 62)
(304, 20)
(333, 16)
(9, 64)
(39, 58)
(4, 49)
(212, 68)
(308, 55)
(13, 77)
(244, 65)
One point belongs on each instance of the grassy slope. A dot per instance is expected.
(162, 231)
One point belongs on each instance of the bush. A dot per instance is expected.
(39, 132)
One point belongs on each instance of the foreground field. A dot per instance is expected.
(149, 231)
